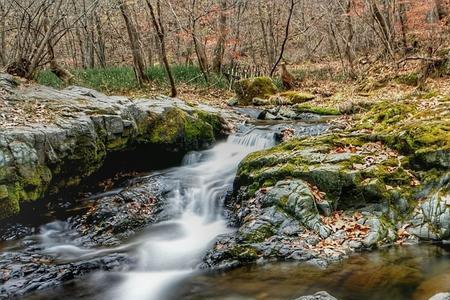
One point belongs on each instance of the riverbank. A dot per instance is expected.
(50, 140)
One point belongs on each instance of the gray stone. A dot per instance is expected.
(260, 102)
(441, 296)
(318, 296)
(88, 126)
(232, 102)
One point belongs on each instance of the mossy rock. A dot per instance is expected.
(316, 109)
(298, 97)
(30, 184)
(8, 205)
(243, 253)
(314, 160)
(258, 87)
(177, 128)
(422, 134)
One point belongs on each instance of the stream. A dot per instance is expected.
(168, 254)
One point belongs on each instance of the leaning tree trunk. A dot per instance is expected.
(286, 37)
(157, 23)
(37, 55)
(138, 62)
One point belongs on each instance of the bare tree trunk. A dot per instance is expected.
(350, 35)
(100, 41)
(384, 27)
(237, 36)
(157, 23)
(270, 61)
(82, 48)
(37, 55)
(403, 20)
(138, 62)
(286, 37)
(199, 49)
(219, 51)
(3, 59)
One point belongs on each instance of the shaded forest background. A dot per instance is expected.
(133, 42)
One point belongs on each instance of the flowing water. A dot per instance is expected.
(195, 202)
(168, 253)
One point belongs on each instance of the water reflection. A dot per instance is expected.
(414, 272)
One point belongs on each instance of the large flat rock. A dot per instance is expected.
(51, 139)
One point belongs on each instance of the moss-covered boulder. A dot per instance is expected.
(344, 169)
(248, 89)
(297, 97)
(317, 109)
(417, 128)
(176, 127)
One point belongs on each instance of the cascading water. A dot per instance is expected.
(169, 251)
(195, 202)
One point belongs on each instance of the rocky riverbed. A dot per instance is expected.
(382, 181)
(330, 189)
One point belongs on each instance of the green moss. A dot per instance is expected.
(117, 144)
(29, 188)
(8, 205)
(244, 253)
(283, 201)
(175, 127)
(422, 134)
(87, 157)
(297, 97)
(212, 119)
(385, 114)
(258, 87)
(260, 234)
(320, 110)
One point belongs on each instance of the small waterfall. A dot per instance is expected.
(198, 191)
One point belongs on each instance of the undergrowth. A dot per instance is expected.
(121, 79)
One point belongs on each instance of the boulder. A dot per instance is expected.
(43, 157)
(297, 97)
(258, 87)
(441, 296)
(318, 296)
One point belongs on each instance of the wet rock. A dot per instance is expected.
(27, 272)
(113, 218)
(441, 296)
(253, 113)
(66, 250)
(431, 220)
(318, 296)
(232, 102)
(283, 222)
(295, 197)
(39, 160)
(288, 113)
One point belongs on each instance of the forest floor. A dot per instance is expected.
(330, 87)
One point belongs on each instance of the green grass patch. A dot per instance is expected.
(121, 79)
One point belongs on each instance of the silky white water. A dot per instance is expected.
(199, 188)
(170, 251)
